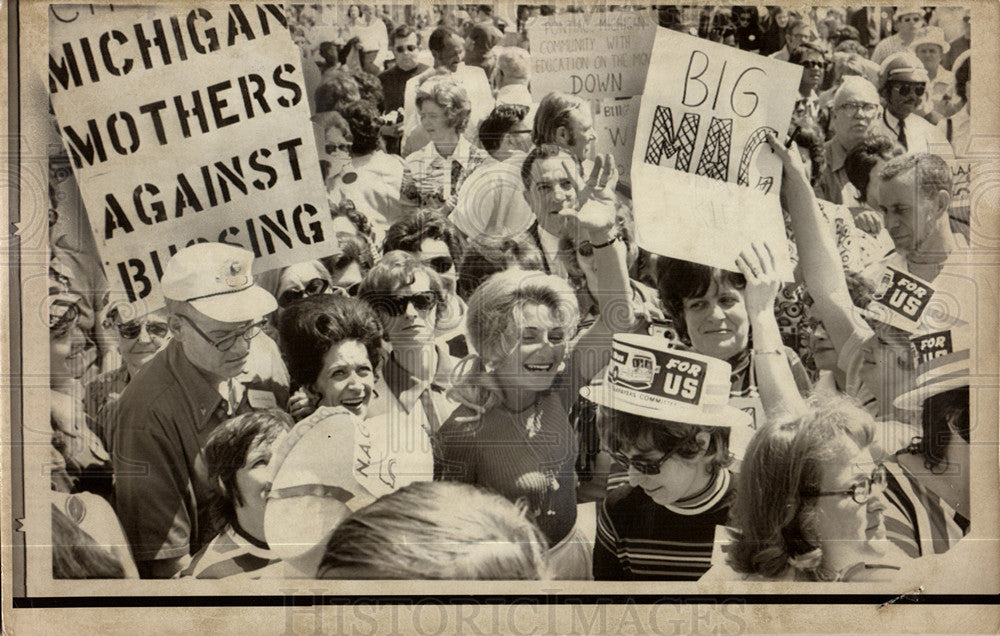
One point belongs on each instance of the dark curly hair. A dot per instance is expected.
(363, 120)
(312, 326)
(409, 232)
(678, 280)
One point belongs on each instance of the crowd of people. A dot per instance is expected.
(490, 351)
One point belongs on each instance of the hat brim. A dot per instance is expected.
(720, 415)
(251, 303)
(914, 400)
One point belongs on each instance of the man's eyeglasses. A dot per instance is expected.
(131, 330)
(440, 264)
(313, 288)
(226, 343)
(335, 148)
(396, 305)
(911, 18)
(816, 64)
(905, 89)
(853, 108)
(861, 492)
(408, 47)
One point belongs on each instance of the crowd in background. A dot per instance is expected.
(441, 398)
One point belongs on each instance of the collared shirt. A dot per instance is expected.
(395, 441)
(833, 184)
(160, 425)
(477, 87)
(491, 201)
(430, 180)
(548, 244)
(921, 135)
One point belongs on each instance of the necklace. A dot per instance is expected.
(531, 428)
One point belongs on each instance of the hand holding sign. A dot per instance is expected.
(757, 265)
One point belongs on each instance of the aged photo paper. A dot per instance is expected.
(117, 127)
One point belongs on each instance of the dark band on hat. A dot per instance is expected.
(312, 490)
(221, 293)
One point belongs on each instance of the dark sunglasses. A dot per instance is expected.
(314, 287)
(440, 264)
(409, 47)
(351, 290)
(335, 148)
(813, 64)
(904, 89)
(646, 467)
(131, 330)
(396, 305)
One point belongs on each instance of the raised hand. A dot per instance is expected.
(757, 265)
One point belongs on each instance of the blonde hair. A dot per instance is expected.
(493, 324)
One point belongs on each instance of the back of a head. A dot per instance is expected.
(437, 530)
(487, 255)
(439, 37)
(498, 123)
(363, 120)
(553, 111)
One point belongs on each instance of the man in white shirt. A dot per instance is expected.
(448, 49)
(908, 21)
(798, 31)
(903, 84)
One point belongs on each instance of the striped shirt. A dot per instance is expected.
(639, 539)
(232, 552)
(918, 521)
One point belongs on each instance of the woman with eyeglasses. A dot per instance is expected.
(810, 505)
(409, 299)
(348, 268)
(81, 461)
(434, 240)
(139, 339)
(332, 346)
(289, 285)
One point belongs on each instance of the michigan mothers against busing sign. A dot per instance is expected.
(187, 125)
(704, 181)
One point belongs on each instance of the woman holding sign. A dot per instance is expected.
(729, 315)
(512, 432)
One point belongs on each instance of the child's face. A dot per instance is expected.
(677, 477)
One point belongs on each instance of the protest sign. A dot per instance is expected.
(704, 181)
(188, 125)
(594, 56)
(614, 125)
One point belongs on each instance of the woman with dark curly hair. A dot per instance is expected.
(332, 346)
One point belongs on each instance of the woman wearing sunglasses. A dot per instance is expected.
(139, 339)
(512, 432)
(663, 414)
(409, 299)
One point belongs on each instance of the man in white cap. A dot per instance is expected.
(930, 46)
(855, 110)
(903, 85)
(908, 21)
(218, 365)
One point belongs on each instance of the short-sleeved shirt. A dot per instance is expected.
(161, 424)
(231, 553)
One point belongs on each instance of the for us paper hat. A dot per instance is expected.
(943, 364)
(647, 378)
(900, 300)
(312, 488)
(215, 279)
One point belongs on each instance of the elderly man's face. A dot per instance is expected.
(553, 190)
(203, 339)
(854, 114)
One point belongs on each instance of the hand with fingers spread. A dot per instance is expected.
(597, 199)
(757, 264)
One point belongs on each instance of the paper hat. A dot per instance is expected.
(900, 300)
(903, 67)
(937, 375)
(215, 279)
(930, 35)
(647, 378)
(312, 487)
